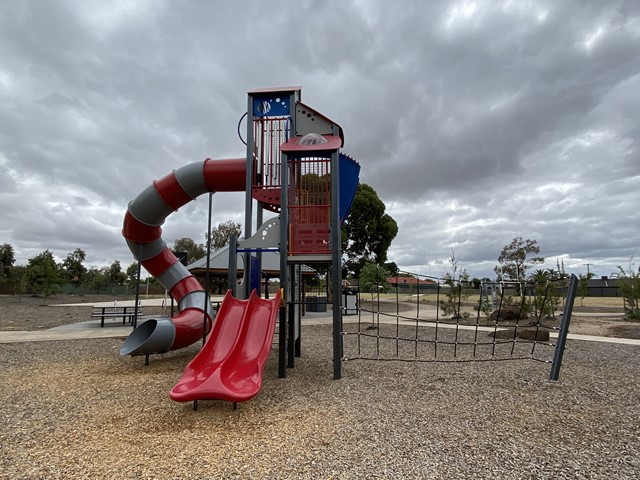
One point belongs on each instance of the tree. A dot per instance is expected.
(195, 251)
(455, 279)
(221, 234)
(44, 275)
(373, 279)
(19, 281)
(115, 275)
(629, 282)
(541, 279)
(368, 231)
(97, 279)
(583, 285)
(132, 274)
(516, 258)
(7, 258)
(392, 268)
(74, 268)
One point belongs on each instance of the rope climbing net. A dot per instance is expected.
(429, 319)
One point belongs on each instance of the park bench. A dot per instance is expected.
(126, 313)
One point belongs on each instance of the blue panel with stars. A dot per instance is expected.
(272, 105)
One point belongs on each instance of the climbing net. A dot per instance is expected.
(429, 319)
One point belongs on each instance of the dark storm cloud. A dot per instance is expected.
(475, 121)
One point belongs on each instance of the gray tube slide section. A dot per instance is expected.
(158, 335)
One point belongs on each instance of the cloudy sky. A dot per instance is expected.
(475, 121)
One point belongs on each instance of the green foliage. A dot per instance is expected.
(368, 231)
(221, 234)
(115, 275)
(44, 274)
(373, 279)
(549, 287)
(97, 279)
(195, 251)
(19, 280)
(455, 280)
(629, 282)
(392, 268)
(7, 259)
(583, 285)
(516, 258)
(542, 301)
(75, 270)
(132, 274)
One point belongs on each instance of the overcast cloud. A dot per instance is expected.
(475, 121)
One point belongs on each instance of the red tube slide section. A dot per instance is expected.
(142, 222)
(230, 365)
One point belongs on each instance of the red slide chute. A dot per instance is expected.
(230, 365)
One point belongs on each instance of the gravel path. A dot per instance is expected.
(76, 409)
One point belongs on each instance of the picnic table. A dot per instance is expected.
(125, 312)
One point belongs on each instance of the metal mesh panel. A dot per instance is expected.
(310, 206)
(268, 133)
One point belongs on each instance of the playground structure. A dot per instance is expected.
(293, 167)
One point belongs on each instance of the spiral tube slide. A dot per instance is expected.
(142, 222)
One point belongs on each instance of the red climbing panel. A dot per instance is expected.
(310, 206)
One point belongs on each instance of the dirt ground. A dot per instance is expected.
(77, 409)
(596, 316)
(28, 313)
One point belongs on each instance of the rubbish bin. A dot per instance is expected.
(349, 301)
(321, 306)
(316, 304)
(311, 304)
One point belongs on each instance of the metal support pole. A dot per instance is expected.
(233, 264)
(282, 343)
(137, 299)
(248, 209)
(336, 266)
(259, 221)
(298, 311)
(206, 275)
(564, 328)
(284, 271)
(291, 343)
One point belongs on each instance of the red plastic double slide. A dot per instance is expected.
(230, 364)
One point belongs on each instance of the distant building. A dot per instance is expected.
(410, 283)
(604, 287)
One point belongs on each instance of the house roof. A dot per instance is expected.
(408, 281)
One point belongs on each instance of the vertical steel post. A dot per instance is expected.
(291, 343)
(284, 271)
(564, 328)
(206, 275)
(336, 266)
(298, 310)
(232, 275)
(248, 206)
(135, 307)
